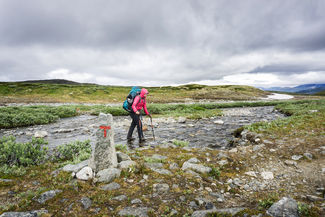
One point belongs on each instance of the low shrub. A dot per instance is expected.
(74, 152)
(14, 156)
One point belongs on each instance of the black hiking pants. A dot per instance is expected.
(135, 122)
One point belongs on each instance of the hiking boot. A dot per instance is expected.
(130, 139)
(142, 140)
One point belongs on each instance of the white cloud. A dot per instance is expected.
(72, 76)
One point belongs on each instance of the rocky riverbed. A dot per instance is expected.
(214, 132)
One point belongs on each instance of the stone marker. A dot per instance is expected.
(104, 153)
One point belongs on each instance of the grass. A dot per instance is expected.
(38, 92)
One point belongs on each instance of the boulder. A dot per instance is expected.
(34, 213)
(85, 173)
(46, 196)
(196, 167)
(40, 134)
(126, 164)
(122, 157)
(75, 167)
(284, 207)
(108, 175)
(110, 187)
(132, 211)
(104, 154)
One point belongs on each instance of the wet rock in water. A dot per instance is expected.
(126, 164)
(110, 187)
(40, 134)
(218, 122)
(284, 207)
(75, 167)
(231, 211)
(46, 196)
(122, 157)
(108, 175)
(182, 120)
(86, 202)
(132, 211)
(34, 213)
(104, 154)
(85, 173)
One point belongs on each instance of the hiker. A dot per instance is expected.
(138, 103)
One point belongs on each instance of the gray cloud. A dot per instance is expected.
(160, 42)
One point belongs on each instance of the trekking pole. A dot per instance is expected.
(153, 133)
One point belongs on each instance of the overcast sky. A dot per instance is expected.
(149, 42)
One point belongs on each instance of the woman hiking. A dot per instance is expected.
(138, 103)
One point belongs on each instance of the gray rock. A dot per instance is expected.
(218, 122)
(126, 164)
(120, 198)
(162, 171)
(132, 211)
(182, 120)
(308, 156)
(5, 180)
(314, 198)
(136, 201)
(290, 163)
(46, 196)
(296, 157)
(222, 155)
(285, 207)
(153, 165)
(193, 161)
(193, 205)
(85, 173)
(161, 188)
(34, 213)
(159, 157)
(222, 162)
(110, 187)
(267, 175)
(40, 134)
(196, 167)
(86, 202)
(173, 166)
(108, 175)
(104, 154)
(203, 213)
(122, 157)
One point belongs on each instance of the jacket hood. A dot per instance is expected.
(143, 91)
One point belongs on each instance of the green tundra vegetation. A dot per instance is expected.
(92, 93)
(18, 116)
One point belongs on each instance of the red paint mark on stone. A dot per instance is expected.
(105, 128)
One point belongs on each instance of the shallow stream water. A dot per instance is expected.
(213, 132)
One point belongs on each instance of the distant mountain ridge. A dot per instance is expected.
(305, 88)
(50, 81)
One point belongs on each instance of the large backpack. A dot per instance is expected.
(127, 105)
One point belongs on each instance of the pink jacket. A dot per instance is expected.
(140, 102)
